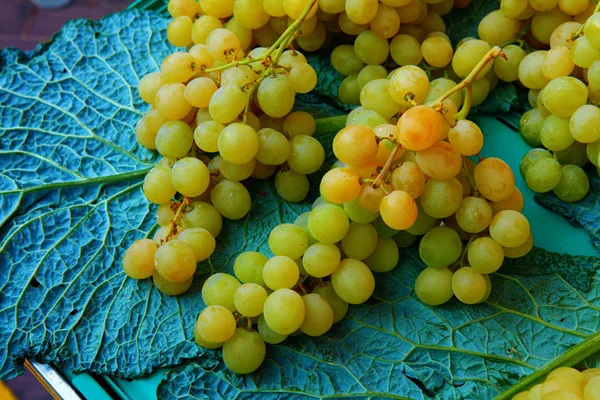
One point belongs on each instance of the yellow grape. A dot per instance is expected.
(175, 261)
(189, 8)
(467, 137)
(203, 26)
(177, 67)
(138, 260)
(494, 179)
(149, 85)
(170, 101)
(514, 202)
(409, 178)
(179, 31)
(355, 145)
(440, 161)
(340, 185)
(370, 198)
(199, 91)
(419, 128)
(398, 210)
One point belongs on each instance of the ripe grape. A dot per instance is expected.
(355, 145)
(288, 240)
(328, 223)
(384, 257)
(584, 124)
(399, 210)
(238, 143)
(370, 73)
(291, 186)
(556, 134)
(469, 286)
(474, 214)
(574, 184)
(158, 185)
(562, 88)
(276, 96)
(306, 154)
(284, 311)
(358, 214)
(215, 324)
(409, 178)
(433, 286)
(171, 288)
(441, 198)
(543, 175)
(509, 228)
(249, 299)
(248, 267)
(175, 261)
(202, 215)
(201, 241)
(268, 334)
(280, 272)
(190, 176)
(419, 128)
(199, 91)
(340, 185)
(370, 48)
(409, 80)
(219, 289)
(206, 135)
(494, 179)
(299, 123)
(519, 251)
(226, 104)
(485, 255)
(231, 199)
(376, 95)
(466, 137)
(440, 247)
(468, 55)
(423, 224)
(440, 161)
(321, 259)
(138, 260)
(244, 352)
(360, 241)
(170, 101)
(353, 281)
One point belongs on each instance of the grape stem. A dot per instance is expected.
(469, 177)
(173, 224)
(493, 53)
(569, 358)
(464, 253)
(466, 107)
(386, 167)
(582, 27)
(517, 39)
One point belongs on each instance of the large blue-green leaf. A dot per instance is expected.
(70, 203)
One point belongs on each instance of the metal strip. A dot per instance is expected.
(53, 381)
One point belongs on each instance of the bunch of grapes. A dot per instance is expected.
(564, 83)
(203, 121)
(566, 383)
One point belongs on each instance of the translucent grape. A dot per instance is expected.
(353, 281)
(202, 215)
(355, 145)
(485, 255)
(358, 214)
(466, 137)
(170, 101)
(433, 286)
(328, 223)
(468, 55)
(509, 228)
(177, 67)
(268, 334)
(519, 251)
(284, 311)
(280, 272)
(409, 84)
(238, 143)
(530, 70)
(190, 176)
(321, 259)
(376, 96)
(340, 185)
(385, 256)
(318, 317)
(584, 124)
(405, 50)
(437, 51)
(248, 267)
(440, 161)
(360, 241)
(236, 172)
(149, 85)
(291, 186)
(249, 299)
(288, 240)
(369, 118)
(344, 60)
(175, 261)
(299, 123)
(276, 95)
(438, 87)
(227, 103)
(349, 90)
(409, 178)
(424, 222)
(419, 128)
(273, 147)
(399, 210)
(219, 290)
(370, 48)
(306, 154)
(201, 241)
(244, 352)
(189, 8)
(565, 88)
(215, 324)
(494, 179)
(468, 286)
(543, 175)
(138, 260)
(231, 199)
(158, 185)
(441, 198)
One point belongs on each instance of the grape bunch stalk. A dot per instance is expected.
(391, 184)
(203, 123)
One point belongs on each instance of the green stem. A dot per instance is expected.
(569, 358)
(518, 38)
(469, 177)
(580, 30)
(466, 107)
(493, 53)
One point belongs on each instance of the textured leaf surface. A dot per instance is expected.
(70, 203)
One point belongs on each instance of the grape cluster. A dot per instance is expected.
(566, 383)
(219, 117)
(561, 81)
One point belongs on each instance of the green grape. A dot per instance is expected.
(306, 155)
(575, 154)
(203, 26)
(353, 281)
(406, 50)
(328, 223)
(584, 124)
(404, 239)
(544, 23)
(175, 261)
(437, 51)
(592, 30)
(226, 104)
(303, 77)
(190, 177)
(441, 198)
(245, 351)
(508, 69)
(174, 139)
(439, 86)
(468, 55)
(219, 289)
(158, 185)
(433, 286)
(519, 251)
(474, 214)
(318, 317)
(360, 116)
(147, 128)
(284, 311)
(299, 123)
(177, 67)
(206, 135)
(370, 73)
(345, 61)
(383, 230)
(262, 171)
(557, 63)
(339, 306)
(593, 152)
(202, 215)
(202, 115)
(583, 53)
(280, 272)
(248, 267)
(376, 96)
(409, 84)
(574, 184)
(291, 56)
(349, 90)
(513, 8)
(276, 95)
(249, 299)
(231, 199)
(161, 234)
(315, 40)
(440, 247)
(360, 241)
(273, 147)
(386, 22)
(171, 288)
(530, 70)
(385, 256)
(358, 214)
(361, 11)
(485, 255)
(481, 89)
(302, 221)
(494, 179)
(543, 175)
(268, 334)
(201, 241)
(509, 228)
(370, 48)
(562, 88)
(238, 143)
(532, 156)
(291, 185)
(215, 324)
(321, 200)
(555, 133)
(288, 240)
(424, 222)
(469, 286)
(138, 260)
(321, 259)
(165, 214)
(236, 172)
